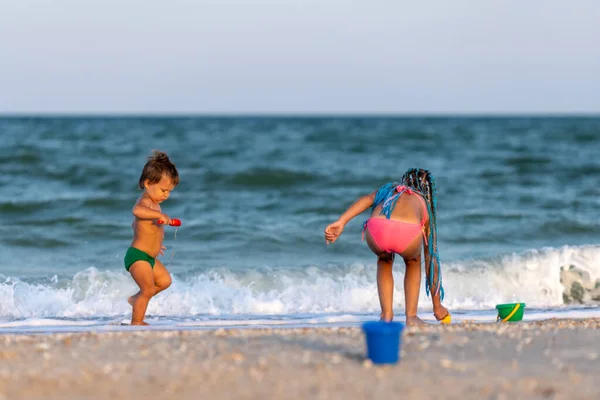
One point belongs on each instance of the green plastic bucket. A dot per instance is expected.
(511, 312)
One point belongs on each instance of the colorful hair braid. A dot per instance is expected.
(423, 181)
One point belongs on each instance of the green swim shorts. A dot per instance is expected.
(134, 255)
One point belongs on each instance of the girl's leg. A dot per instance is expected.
(162, 278)
(385, 279)
(412, 285)
(142, 274)
(385, 286)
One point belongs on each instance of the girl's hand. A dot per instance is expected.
(162, 250)
(440, 312)
(333, 231)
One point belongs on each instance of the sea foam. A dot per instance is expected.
(536, 277)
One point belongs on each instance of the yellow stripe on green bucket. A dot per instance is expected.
(510, 312)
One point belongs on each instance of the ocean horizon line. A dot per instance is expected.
(299, 115)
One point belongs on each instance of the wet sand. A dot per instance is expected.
(552, 359)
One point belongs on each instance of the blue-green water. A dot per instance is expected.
(518, 200)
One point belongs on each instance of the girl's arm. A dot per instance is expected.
(435, 298)
(334, 230)
(357, 207)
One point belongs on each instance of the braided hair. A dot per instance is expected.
(422, 180)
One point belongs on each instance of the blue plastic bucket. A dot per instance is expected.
(383, 341)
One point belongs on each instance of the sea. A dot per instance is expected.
(518, 205)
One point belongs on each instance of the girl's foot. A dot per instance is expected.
(140, 323)
(386, 318)
(414, 321)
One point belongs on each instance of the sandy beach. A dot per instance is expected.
(557, 359)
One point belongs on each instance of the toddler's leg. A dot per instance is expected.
(162, 278)
(142, 274)
(385, 286)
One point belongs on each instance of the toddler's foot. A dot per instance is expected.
(414, 321)
(130, 300)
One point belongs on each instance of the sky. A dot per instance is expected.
(299, 57)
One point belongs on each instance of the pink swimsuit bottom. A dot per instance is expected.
(395, 236)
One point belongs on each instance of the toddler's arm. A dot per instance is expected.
(142, 210)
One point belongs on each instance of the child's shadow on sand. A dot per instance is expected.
(352, 352)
